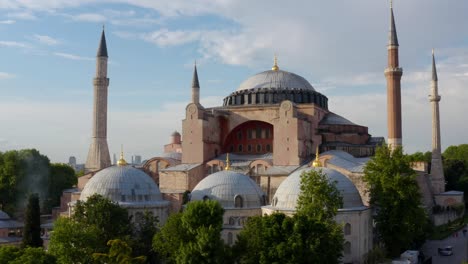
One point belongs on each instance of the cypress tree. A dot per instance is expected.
(32, 223)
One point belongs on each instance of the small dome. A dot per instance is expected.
(123, 184)
(175, 134)
(231, 189)
(288, 192)
(4, 216)
(276, 80)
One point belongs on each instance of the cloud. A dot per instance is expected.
(14, 44)
(7, 22)
(89, 17)
(164, 37)
(27, 15)
(6, 75)
(72, 56)
(47, 40)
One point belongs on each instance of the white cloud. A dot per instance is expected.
(14, 44)
(7, 22)
(47, 40)
(22, 15)
(164, 37)
(72, 56)
(89, 17)
(6, 75)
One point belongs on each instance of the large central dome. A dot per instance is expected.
(276, 79)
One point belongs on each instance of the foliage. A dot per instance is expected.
(9, 178)
(32, 223)
(444, 231)
(15, 255)
(74, 242)
(459, 152)
(310, 236)
(144, 231)
(401, 221)
(62, 177)
(375, 256)
(193, 236)
(94, 223)
(420, 156)
(119, 253)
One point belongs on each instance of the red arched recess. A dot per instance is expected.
(252, 137)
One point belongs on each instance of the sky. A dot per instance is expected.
(48, 49)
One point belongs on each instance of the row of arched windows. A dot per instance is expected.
(251, 148)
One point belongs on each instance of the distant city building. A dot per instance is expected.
(72, 161)
(114, 160)
(137, 160)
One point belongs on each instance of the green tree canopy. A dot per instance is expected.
(93, 224)
(193, 236)
(119, 253)
(401, 219)
(310, 236)
(9, 178)
(32, 223)
(144, 231)
(62, 177)
(459, 152)
(34, 256)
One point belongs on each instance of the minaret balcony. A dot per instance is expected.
(101, 81)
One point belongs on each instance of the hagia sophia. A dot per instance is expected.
(248, 153)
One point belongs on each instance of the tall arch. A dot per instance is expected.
(252, 137)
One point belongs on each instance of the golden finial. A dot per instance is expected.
(121, 161)
(391, 3)
(317, 162)
(275, 65)
(228, 165)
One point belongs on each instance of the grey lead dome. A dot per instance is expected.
(224, 186)
(276, 80)
(123, 184)
(288, 192)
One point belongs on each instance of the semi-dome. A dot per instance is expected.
(122, 184)
(288, 191)
(230, 189)
(276, 79)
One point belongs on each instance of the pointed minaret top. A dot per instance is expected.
(275, 64)
(434, 70)
(317, 162)
(228, 163)
(392, 39)
(102, 50)
(195, 83)
(121, 161)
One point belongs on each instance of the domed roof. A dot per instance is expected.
(225, 186)
(288, 192)
(4, 216)
(123, 184)
(276, 79)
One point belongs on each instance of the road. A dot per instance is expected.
(460, 248)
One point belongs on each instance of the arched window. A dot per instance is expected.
(347, 248)
(239, 148)
(249, 148)
(347, 229)
(263, 200)
(259, 148)
(232, 221)
(275, 201)
(238, 202)
(229, 238)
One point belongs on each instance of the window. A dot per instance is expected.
(232, 221)
(268, 148)
(239, 148)
(239, 135)
(249, 148)
(263, 133)
(347, 229)
(347, 248)
(122, 198)
(249, 134)
(229, 238)
(259, 148)
(267, 132)
(231, 148)
(259, 132)
(263, 200)
(238, 201)
(275, 201)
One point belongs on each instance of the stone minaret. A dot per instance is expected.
(437, 171)
(195, 87)
(393, 74)
(98, 155)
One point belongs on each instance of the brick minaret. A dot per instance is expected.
(437, 171)
(195, 86)
(393, 74)
(98, 155)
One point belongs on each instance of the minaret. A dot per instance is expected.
(393, 74)
(437, 171)
(195, 86)
(98, 155)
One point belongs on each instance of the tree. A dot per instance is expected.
(62, 177)
(32, 223)
(93, 224)
(193, 236)
(34, 256)
(310, 236)
(401, 219)
(459, 152)
(9, 178)
(144, 231)
(119, 253)
(9, 253)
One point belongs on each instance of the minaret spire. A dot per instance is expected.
(98, 155)
(393, 74)
(195, 86)
(437, 171)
